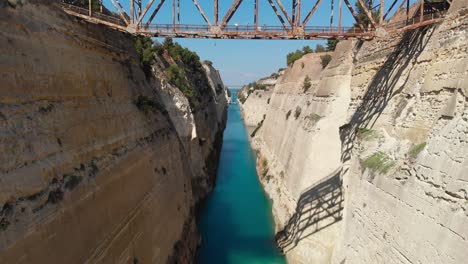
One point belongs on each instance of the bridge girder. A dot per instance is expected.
(136, 21)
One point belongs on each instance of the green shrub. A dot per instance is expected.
(306, 84)
(379, 161)
(313, 117)
(176, 77)
(297, 112)
(146, 51)
(319, 48)
(331, 44)
(55, 196)
(325, 60)
(295, 55)
(416, 149)
(241, 98)
(264, 167)
(148, 105)
(71, 181)
(259, 125)
(187, 73)
(4, 224)
(365, 133)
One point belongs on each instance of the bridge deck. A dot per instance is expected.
(245, 31)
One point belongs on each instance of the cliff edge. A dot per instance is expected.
(103, 156)
(366, 160)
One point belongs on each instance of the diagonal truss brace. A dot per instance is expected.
(311, 13)
(368, 13)
(389, 10)
(144, 12)
(354, 15)
(161, 2)
(278, 14)
(200, 10)
(230, 13)
(284, 12)
(121, 11)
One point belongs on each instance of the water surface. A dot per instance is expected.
(236, 222)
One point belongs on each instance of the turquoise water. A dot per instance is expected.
(236, 222)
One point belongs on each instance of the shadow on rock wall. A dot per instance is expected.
(318, 207)
(384, 86)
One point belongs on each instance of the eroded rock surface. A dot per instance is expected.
(90, 173)
(368, 165)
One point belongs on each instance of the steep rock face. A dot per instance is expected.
(411, 108)
(254, 109)
(87, 173)
(299, 145)
(373, 169)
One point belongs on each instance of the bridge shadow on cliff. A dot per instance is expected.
(318, 207)
(385, 85)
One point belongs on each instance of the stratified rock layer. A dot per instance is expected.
(87, 175)
(368, 165)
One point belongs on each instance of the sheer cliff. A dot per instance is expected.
(102, 160)
(367, 162)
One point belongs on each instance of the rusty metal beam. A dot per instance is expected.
(400, 7)
(407, 10)
(132, 8)
(200, 10)
(178, 11)
(354, 15)
(284, 12)
(144, 12)
(340, 15)
(382, 5)
(368, 13)
(421, 11)
(389, 10)
(161, 2)
(173, 14)
(294, 3)
(272, 4)
(121, 12)
(311, 12)
(230, 13)
(216, 12)
(256, 15)
(298, 16)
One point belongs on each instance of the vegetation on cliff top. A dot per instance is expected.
(379, 162)
(416, 149)
(185, 71)
(306, 84)
(325, 60)
(148, 105)
(295, 55)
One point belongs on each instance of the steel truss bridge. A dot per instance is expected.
(138, 20)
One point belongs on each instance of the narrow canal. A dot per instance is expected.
(236, 222)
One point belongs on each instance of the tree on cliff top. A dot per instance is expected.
(295, 55)
(319, 48)
(362, 17)
(331, 44)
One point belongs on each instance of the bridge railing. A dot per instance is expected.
(187, 28)
(414, 20)
(98, 15)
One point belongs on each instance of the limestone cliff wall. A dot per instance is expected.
(254, 109)
(87, 175)
(368, 165)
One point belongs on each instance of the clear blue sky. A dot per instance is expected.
(243, 61)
